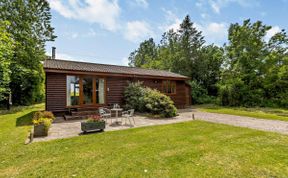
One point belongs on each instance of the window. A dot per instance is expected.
(100, 91)
(73, 90)
(85, 90)
(169, 87)
(87, 83)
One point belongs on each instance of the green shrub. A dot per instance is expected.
(159, 104)
(200, 94)
(144, 99)
(237, 93)
(134, 95)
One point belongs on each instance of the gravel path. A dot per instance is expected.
(242, 121)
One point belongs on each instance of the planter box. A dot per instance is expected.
(40, 131)
(92, 126)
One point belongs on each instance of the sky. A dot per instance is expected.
(107, 31)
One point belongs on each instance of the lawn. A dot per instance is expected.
(190, 149)
(261, 113)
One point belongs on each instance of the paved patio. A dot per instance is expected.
(66, 129)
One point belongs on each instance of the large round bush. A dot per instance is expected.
(159, 104)
(145, 99)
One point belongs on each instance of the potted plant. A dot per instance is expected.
(42, 121)
(41, 126)
(93, 123)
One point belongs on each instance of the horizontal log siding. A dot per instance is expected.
(180, 97)
(117, 86)
(55, 92)
(115, 89)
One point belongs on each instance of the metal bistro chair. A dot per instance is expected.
(129, 115)
(105, 113)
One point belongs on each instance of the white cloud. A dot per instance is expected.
(263, 14)
(138, 30)
(204, 15)
(139, 3)
(92, 33)
(103, 12)
(172, 21)
(74, 35)
(125, 61)
(217, 5)
(71, 35)
(272, 32)
(214, 32)
(63, 56)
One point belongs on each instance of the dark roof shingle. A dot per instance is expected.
(57, 64)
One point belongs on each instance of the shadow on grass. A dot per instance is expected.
(25, 120)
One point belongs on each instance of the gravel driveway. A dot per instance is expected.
(242, 121)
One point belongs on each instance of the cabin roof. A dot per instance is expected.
(59, 65)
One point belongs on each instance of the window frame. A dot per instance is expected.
(167, 85)
(80, 104)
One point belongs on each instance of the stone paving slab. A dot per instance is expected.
(66, 129)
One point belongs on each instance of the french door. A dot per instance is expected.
(85, 90)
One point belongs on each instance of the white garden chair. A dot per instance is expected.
(105, 113)
(129, 115)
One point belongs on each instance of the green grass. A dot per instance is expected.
(191, 149)
(261, 113)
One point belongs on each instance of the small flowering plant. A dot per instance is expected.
(94, 118)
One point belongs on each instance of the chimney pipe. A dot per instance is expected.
(53, 52)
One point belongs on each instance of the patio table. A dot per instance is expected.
(116, 112)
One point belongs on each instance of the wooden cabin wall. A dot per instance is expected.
(56, 90)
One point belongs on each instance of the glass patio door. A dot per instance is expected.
(85, 90)
(87, 83)
(93, 90)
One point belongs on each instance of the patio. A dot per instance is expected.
(65, 129)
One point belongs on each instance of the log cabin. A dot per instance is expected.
(83, 85)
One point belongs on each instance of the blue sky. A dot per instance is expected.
(106, 31)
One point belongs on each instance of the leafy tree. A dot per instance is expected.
(145, 54)
(191, 41)
(249, 70)
(183, 52)
(30, 28)
(253, 73)
(276, 70)
(209, 67)
(6, 52)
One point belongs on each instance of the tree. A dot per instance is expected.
(144, 55)
(190, 43)
(30, 28)
(254, 69)
(6, 52)
(276, 70)
(182, 51)
(209, 69)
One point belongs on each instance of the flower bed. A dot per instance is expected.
(93, 123)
